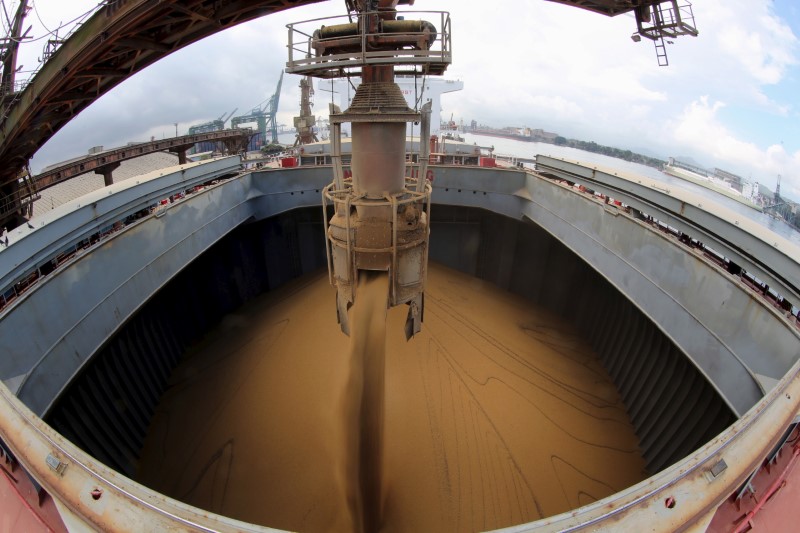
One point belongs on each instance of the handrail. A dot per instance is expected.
(310, 53)
(33, 264)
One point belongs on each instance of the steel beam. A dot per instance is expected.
(101, 160)
(607, 7)
(107, 171)
(119, 40)
(766, 255)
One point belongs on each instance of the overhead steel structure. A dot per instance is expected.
(120, 39)
(105, 163)
(655, 19)
(9, 48)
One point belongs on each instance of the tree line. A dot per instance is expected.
(627, 155)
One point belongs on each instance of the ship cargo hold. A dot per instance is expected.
(680, 312)
(703, 358)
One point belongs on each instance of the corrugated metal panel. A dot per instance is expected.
(107, 409)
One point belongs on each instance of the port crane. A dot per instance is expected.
(264, 115)
(212, 125)
(206, 127)
(304, 124)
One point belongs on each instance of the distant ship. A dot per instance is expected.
(700, 177)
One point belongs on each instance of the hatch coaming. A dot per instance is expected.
(595, 229)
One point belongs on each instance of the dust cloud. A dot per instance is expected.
(496, 414)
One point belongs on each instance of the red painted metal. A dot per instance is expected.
(773, 504)
(23, 508)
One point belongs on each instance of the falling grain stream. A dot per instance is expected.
(496, 414)
(362, 403)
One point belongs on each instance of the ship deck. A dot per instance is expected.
(526, 229)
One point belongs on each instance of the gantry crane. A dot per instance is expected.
(212, 125)
(264, 115)
(207, 127)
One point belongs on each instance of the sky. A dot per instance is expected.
(730, 98)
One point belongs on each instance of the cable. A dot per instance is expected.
(416, 97)
(36, 12)
(50, 33)
(422, 91)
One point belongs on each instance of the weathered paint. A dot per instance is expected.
(595, 230)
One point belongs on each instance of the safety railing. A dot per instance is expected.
(668, 19)
(20, 199)
(29, 279)
(340, 46)
(344, 200)
(755, 285)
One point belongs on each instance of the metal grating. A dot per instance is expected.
(374, 97)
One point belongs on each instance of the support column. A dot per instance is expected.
(181, 151)
(106, 171)
(10, 212)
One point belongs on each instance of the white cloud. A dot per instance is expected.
(766, 62)
(552, 66)
(539, 64)
(698, 131)
(770, 105)
(698, 127)
(750, 35)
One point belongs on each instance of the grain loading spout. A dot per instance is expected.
(380, 215)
